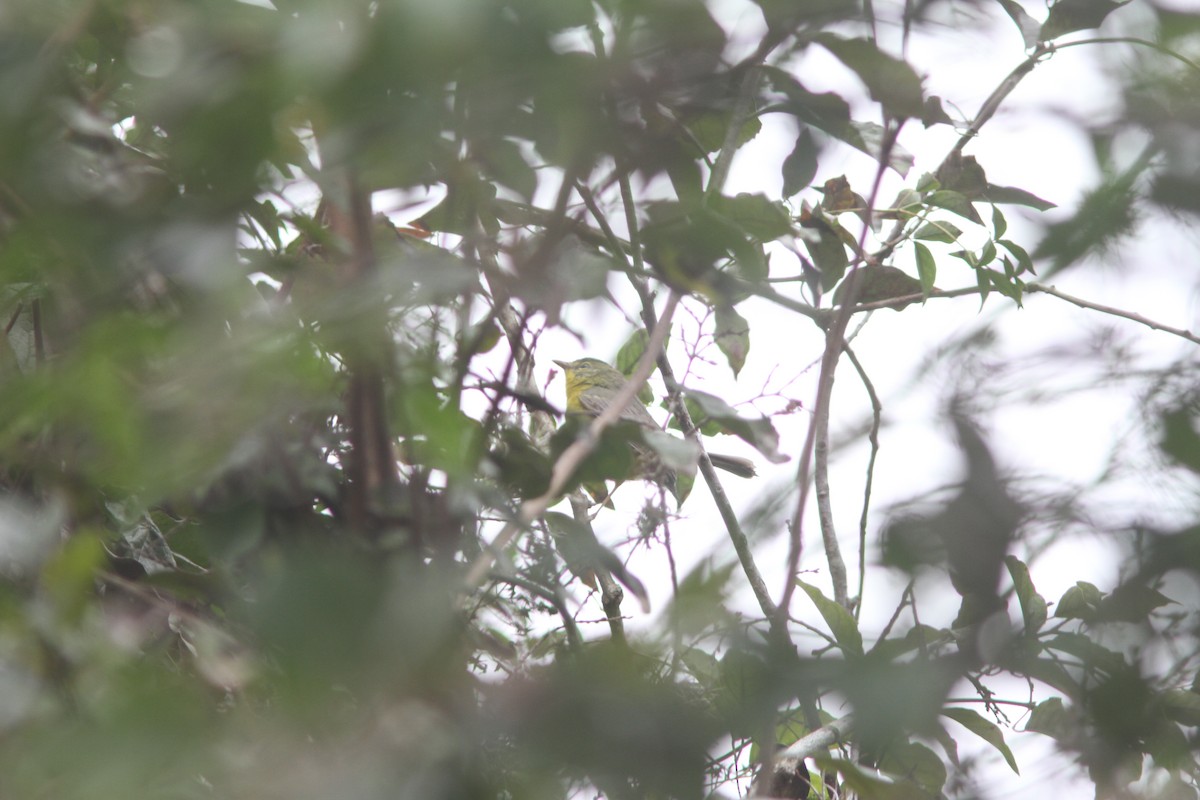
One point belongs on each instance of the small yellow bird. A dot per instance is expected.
(591, 387)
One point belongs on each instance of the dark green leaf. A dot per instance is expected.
(1033, 605)
(1024, 262)
(999, 224)
(891, 81)
(907, 204)
(1053, 719)
(710, 128)
(800, 167)
(830, 113)
(826, 247)
(1068, 16)
(762, 219)
(1180, 438)
(988, 254)
(507, 166)
(1131, 602)
(1094, 656)
(984, 729)
(938, 232)
(926, 267)
(1182, 706)
(1028, 26)
(913, 761)
(841, 623)
(955, 202)
(1011, 195)
(934, 114)
(612, 458)
(1078, 602)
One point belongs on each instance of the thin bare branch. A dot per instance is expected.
(873, 438)
(1116, 312)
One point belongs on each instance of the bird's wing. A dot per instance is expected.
(634, 411)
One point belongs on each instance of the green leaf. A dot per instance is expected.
(984, 729)
(877, 283)
(520, 465)
(1033, 605)
(891, 81)
(926, 267)
(583, 554)
(1028, 26)
(934, 114)
(679, 454)
(1180, 439)
(702, 666)
(1079, 602)
(938, 232)
(1131, 602)
(710, 128)
(505, 163)
(1010, 195)
(907, 204)
(1093, 655)
(841, 623)
(1052, 718)
(612, 458)
(466, 202)
(830, 113)
(988, 254)
(825, 245)
(1068, 16)
(1024, 262)
(629, 355)
(759, 433)
(761, 218)
(800, 167)
(732, 336)
(1181, 705)
(913, 761)
(70, 575)
(999, 223)
(956, 203)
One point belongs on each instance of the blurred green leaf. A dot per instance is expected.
(732, 335)
(800, 167)
(984, 729)
(1014, 196)
(1033, 605)
(891, 81)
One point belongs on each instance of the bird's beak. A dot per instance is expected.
(562, 364)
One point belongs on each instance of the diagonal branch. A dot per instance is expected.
(1116, 312)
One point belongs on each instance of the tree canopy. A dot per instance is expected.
(289, 503)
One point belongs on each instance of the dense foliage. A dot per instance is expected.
(277, 464)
